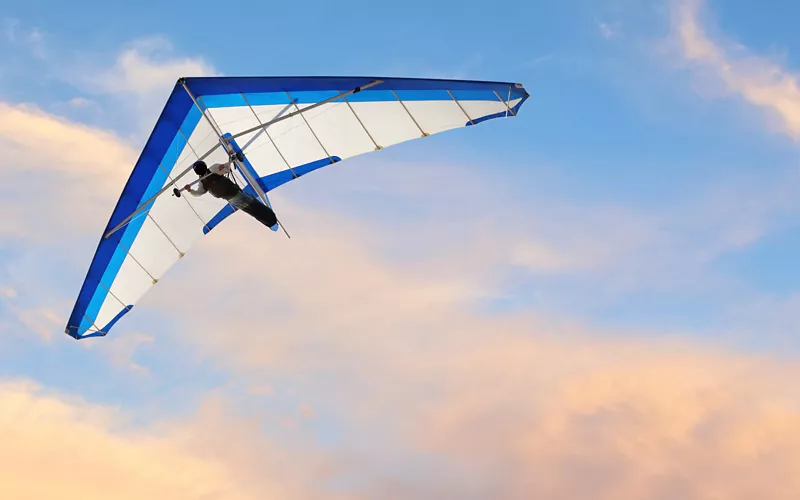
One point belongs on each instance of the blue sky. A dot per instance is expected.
(637, 222)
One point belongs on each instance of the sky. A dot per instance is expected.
(598, 298)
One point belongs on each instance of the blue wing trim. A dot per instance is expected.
(204, 86)
(270, 182)
(501, 114)
(108, 257)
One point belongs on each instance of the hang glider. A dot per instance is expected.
(285, 127)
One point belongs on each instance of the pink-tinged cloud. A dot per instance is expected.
(56, 447)
(519, 408)
(34, 140)
(504, 407)
(616, 420)
(40, 321)
(75, 168)
(59, 446)
(760, 81)
(516, 410)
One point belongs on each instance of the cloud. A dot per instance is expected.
(761, 82)
(536, 61)
(483, 403)
(136, 83)
(40, 321)
(32, 39)
(7, 292)
(68, 170)
(547, 232)
(73, 166)
(483, 398)
(148, 65)
(122, 352)
(74, 446)
(41, 140)
(606, 31)
(86, 451)
(457, 257)
(632, 419)
(360, 332)
(492, 399)
(80, 102)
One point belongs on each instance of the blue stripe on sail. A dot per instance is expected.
(203, 86)
(116, 318)
(177, 115)
(273, 98)
(500, 114)
(272, 181)
(223, 214)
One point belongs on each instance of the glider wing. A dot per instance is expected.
(286, 127)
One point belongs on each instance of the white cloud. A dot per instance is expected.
(42, 322)
(32, 39)
(122, 351)
(148, 65)
(7, 292)
(82, 103)
(137, 83)
(35, 140)
(733, 69)
(606, 31)
(79, 102)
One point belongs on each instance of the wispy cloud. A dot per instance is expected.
(606, 31)
(758, 80)
(148, 65)
(138, 80)
(121, 353)
(551, 234)
(536, 61)
(33, 39)
(605, 255)
(40, 321)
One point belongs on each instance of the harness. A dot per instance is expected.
(220, 186)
